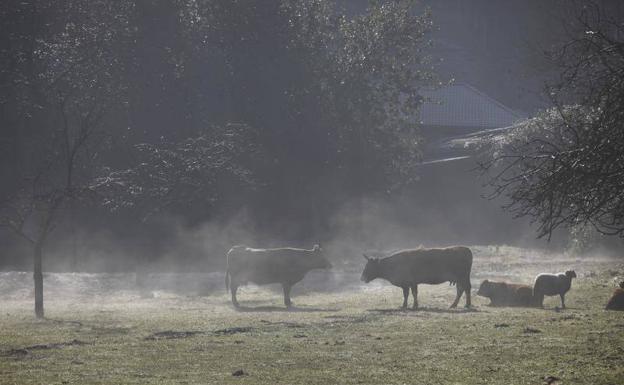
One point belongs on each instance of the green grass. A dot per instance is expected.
(351, 337)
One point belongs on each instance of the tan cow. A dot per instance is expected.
(286, 265)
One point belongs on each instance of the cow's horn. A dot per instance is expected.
(366, 256)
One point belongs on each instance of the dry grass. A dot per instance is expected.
(357, 336)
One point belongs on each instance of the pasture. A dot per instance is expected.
(101, 330)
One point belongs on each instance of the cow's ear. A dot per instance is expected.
(316, 247)
(366, 257)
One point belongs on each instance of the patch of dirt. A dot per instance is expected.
(234, 330)
(56, 345)
(110, 330)
(16, 353)
(290, 325)
(173, 334)
(23, 352)
(529, 330)
(238, 373)
(503, 325)
(335, 319)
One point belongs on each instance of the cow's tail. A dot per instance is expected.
(228, 276)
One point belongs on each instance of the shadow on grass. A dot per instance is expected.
(293, 309)
(64, 322)
(425, 310)
(556, 309)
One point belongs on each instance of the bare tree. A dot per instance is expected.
(69, 87)
(565, 167)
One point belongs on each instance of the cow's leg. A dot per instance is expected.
(460, 290)
(467, 288)
(233, 289)
(539, 300)
(415, 295)
(562, 300)
(287, 287)
(405, 296)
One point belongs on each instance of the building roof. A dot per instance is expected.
(461, 105)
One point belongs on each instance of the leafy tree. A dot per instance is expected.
(186, 177)
(565, 167)
(332, 97)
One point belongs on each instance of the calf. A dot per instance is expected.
(506, 294)
(552, 284)
(616, 302)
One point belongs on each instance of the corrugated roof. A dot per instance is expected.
(461, 105)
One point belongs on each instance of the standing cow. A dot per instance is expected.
(263, 266)
(408, 268)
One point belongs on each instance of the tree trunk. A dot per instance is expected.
(38, 276)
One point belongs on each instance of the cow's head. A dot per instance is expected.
(485, 289)
(371, 270)
(570, 274)
(319, 260)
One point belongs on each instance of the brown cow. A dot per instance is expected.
(408, 268)
(616, 302)
(506, 294)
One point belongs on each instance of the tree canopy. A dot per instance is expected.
(329, 99)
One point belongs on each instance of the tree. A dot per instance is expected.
(565, 167)
(333, 97)
(328, 98)
(64, 86)
(187, 177)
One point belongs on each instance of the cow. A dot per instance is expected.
(409, 268)
(552, 284)
(506, 294)
(616, 302)
(286, 266)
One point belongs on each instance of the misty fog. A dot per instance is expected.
(291, 175)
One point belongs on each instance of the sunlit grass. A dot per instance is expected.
(349, 337)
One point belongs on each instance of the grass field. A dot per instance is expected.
(341, 332)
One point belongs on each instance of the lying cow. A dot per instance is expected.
(552, 284)
(263, 266)
(616, 302)
(409, 268)
(506, 294)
